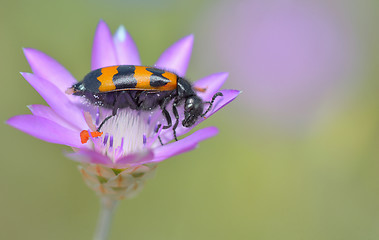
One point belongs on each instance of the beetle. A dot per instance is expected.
(142, 88)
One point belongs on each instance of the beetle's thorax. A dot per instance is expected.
(184, 88)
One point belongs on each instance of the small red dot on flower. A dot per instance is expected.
(84, 135)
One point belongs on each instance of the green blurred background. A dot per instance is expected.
(269, 174)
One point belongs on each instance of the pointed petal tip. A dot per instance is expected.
(232, 93)
(29, 77)
(25, 74)
(44, 129)
(48, 68)
(32, 53)
(29, 53)
(9, 121)
(14, 121)
(222, 73)
(126, 49)
(176, 57)
(102, 24)
(28, 50)
(101, 21)
(212, 130)
(121, 34)
(189, 38)
(103, 49)
(121, 28)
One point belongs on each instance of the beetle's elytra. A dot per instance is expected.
(128, 77)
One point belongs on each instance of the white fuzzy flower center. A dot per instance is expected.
(127, 132)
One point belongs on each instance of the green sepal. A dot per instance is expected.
(118, 171)
(102, 179)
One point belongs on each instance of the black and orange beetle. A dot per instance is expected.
(142, 88)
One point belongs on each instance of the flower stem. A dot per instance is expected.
(104, 223)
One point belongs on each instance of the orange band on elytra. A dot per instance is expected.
(106, 79)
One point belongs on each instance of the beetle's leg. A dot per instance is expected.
(114, 112)
(115, 108)
(211, 103)
(176, 114)
(102, 123)
(160, 140)
(156, 130)
(137, 99)
(166, 114)
(168, 118)
(131, 102)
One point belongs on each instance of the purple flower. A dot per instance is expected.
(130, 139)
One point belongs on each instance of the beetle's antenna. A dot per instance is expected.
(211, 103)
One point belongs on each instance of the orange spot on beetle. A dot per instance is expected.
(106, 79)
(143, 77)
(172, 84)
(84, 135)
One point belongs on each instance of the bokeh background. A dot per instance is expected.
(297, 156)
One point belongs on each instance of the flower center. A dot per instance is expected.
(127, 132)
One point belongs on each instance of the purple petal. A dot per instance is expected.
(48, 113)
(90, 156)
(183, 145)
(211, 84)
(103, 50)
(135, 158)
(177, 57)
(49, 69)
(228, 96)
(46, 130)
(126, 49)
(57, 100)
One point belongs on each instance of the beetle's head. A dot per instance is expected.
(193, 108)
(76, 89)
